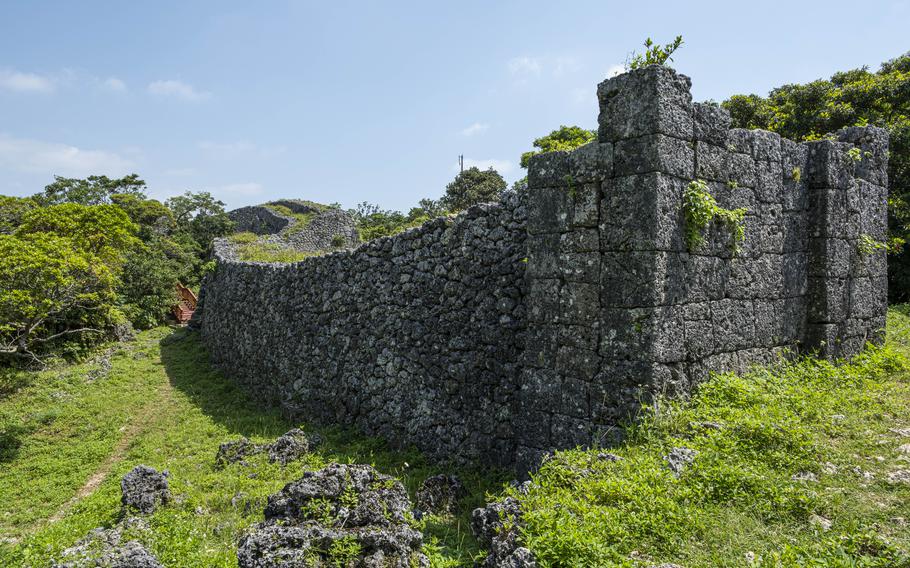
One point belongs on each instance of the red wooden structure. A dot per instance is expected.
(186, 304)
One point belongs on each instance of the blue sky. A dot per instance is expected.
(366, 101)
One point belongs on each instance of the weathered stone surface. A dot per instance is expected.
(542, 321)
(340, 504)
(144, 489)
(106, 548)
(496, 528)
(291, 446)
(439, 494)
(326, 228)
(235, 451)
(414, 337)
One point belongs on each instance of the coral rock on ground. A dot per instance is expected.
(439, 494)
(496, 528)
(104, 547)
(347, 515)
(144, 489)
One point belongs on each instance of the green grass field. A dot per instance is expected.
(69, 433)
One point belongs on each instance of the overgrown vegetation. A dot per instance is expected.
(857, 97)
(159, 403)
(86, 257)
(701, 209)
(791, 468)
(655, 54)
(251, 248)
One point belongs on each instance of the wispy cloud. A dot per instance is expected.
(563, 65)
(238, 148)
(476, 128)
(584, 96)
(25, 82)
(501, 166)
(615, 70)
(178, 90)
(35, 156)
(523, 66)
(114, 84)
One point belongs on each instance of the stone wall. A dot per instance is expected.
(415, 337)
(500, 335)
(321, 227)
(259, 220)
(621, 310)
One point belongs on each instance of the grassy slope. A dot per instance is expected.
(163, 406)
(738, 504)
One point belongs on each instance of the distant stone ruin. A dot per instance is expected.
(545, 320)
(301, 225)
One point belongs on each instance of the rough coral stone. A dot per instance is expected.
(144, 489)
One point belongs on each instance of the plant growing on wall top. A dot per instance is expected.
(655, 54)
(701, 209)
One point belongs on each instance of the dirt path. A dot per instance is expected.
(139, 422)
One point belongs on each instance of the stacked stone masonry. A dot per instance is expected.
(326, 228)
(544, 322)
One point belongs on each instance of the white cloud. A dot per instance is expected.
(25, 82)
(179, 90)
(475, 128)
(615, 70)
(501, 166)
(114, 84)
(584, 96)
(563, 65)
(525, 66)
(35, 156)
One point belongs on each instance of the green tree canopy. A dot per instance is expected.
(149, 214)
(563, 138)
(101, 230)
(473, 186)
(93, 190)
(50, 289)
(12, 210)
(851, 98)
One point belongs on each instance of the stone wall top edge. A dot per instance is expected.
(223, 250)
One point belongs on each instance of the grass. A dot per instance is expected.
(742, 502)
(163, 406)
(250, 248)
(301, 220)
(745, 500)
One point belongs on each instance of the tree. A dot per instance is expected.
(104, 231)
(473, 186)
(855, 97)
(564, 138)
(152, 216)
(50, 289)
(192, 204)
(12, 209)
(147, 285)
(93, 190)
(655, 54)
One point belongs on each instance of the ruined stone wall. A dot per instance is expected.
(414, 337)
(518, 328)
(324, 228)
(620, 309)
(259, 220)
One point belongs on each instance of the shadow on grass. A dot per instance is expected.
(187, 366)
(188, 370)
